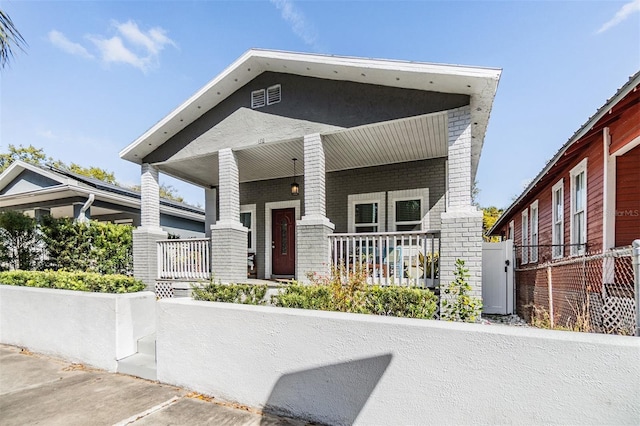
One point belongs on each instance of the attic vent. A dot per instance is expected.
(274, 94)
(258, 98)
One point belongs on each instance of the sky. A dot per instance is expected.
(97, 74)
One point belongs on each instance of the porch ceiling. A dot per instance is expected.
(396, 141)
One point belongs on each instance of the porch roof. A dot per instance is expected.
(478, 83)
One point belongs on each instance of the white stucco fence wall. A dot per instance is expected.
(343, 368)
(95, 329)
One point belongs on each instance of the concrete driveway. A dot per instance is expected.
(38, 389)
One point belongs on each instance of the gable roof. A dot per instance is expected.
(477, 82)
(620, 94)
(85, 184)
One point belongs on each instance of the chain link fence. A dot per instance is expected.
(590, 292)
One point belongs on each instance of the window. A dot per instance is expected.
(366, 217)
(525, 236)
(578, 224)
(557, 230)
(534, 232)
(366, 212)
(511, 230)
(409, 209)
(248, 220)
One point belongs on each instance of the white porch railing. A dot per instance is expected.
(184, 259)
(389, 258)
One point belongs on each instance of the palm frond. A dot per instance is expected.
(10, 38)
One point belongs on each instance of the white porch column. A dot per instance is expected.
(314, 228)
(149, 197)
(210, 209)
(145, 247)
(461, 232)
(229, 237)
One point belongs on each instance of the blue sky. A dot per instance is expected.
(96, 75)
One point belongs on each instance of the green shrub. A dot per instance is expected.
(356, 296)
(18, 241)
(246, 294)
(457, 303)
(317, 297)
(80, 281)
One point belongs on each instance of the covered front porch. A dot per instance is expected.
(370, 199)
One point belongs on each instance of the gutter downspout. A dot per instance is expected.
(82, 218)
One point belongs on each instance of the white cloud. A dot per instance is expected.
(297, 20)
(113, 50)
(153, 41)
(130, 45)
(47, 134)
(625, 11)
(60, 41)
(133, 46)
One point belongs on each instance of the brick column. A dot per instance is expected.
(461, 231)
(459, 178)
(229, 237)
(145, 247)
(314, 228)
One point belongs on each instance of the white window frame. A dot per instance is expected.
(581, 167)
(421, 194)
(512, 228)
(368, 198)
(525, 236)
(557, 237)
(534, 239)
(251, 208)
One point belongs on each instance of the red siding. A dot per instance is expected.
(628, 197)
(626, 129)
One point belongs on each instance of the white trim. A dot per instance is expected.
(251, 208)
(608, 193)
(409, 194)
(372, 197)
(279, 92)
(628, 147)
(534, 217)
(581, 167)
(512, 230)
(557, 252)
(524, 238)
(268, 207)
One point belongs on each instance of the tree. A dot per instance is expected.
(29, 154)
(19, 239)
(166, 191)
(490, 216)
(10, 37)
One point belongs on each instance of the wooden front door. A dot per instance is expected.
(283, 252)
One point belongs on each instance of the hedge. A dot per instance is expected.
(80, 281)
(390, 301)
(246, 294)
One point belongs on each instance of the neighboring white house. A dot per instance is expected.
(386, 152)
(38, 190)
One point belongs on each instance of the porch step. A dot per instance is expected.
(143, 362)
(139, 365)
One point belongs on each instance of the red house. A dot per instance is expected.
(586, 200)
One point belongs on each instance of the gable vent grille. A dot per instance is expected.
(274, 94)
(258, 98)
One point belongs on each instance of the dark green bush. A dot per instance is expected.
(80, 281)
(246, 294)
(390, 301)
(316, 297)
